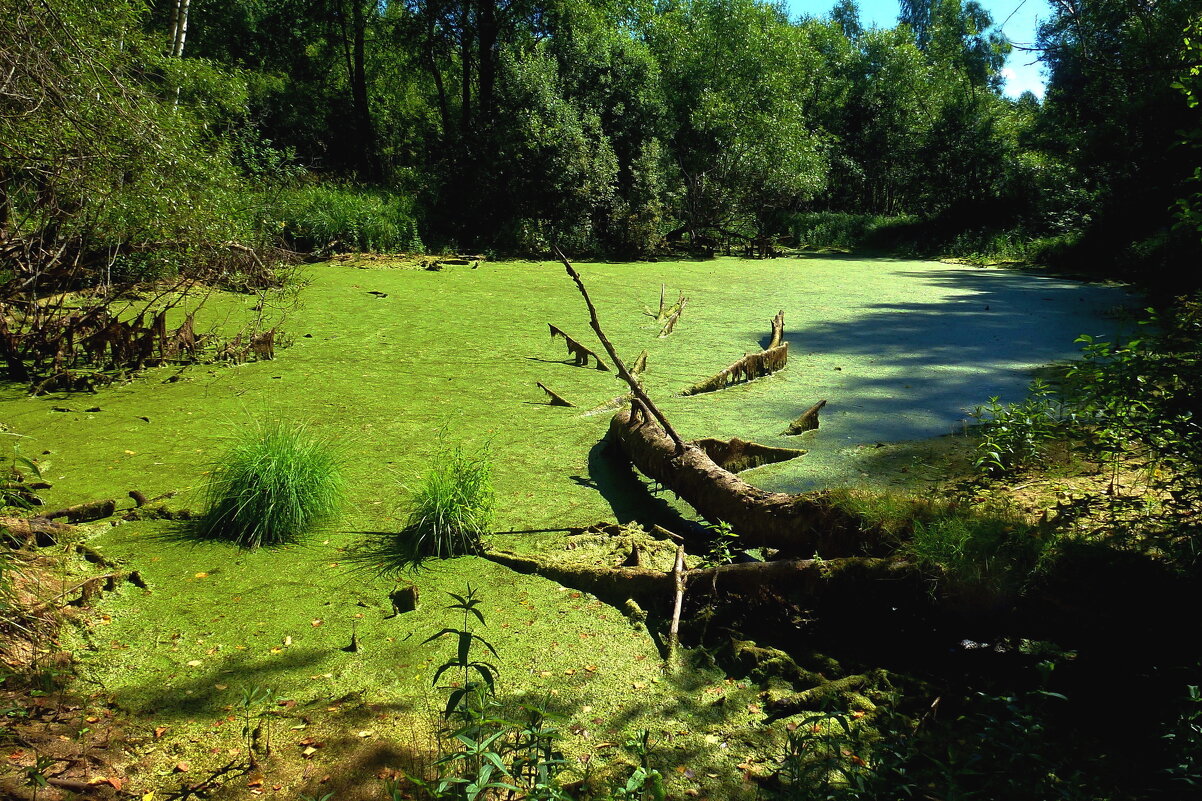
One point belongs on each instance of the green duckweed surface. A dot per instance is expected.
(899, 349)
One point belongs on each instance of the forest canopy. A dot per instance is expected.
(135, 135)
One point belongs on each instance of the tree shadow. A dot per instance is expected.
(628, 495)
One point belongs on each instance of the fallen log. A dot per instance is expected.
(798, 578)
(805, 524)
(817, 697)
(38, 529)
(85, 512)
(808, 421)
(750, 367)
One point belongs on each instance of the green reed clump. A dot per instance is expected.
(277, 482)
(451, 510)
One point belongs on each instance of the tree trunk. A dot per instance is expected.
(179, 27)
(486, 65)
(804, 524)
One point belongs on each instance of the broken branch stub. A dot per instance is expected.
(670, 323)
(808, 421)
(640, 364)
(556, 398)
(578, 352)
(778, 330)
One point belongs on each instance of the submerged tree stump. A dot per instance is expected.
(808, 421)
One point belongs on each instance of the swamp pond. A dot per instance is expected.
(385, 361)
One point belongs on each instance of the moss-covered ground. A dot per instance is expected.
(383, 361)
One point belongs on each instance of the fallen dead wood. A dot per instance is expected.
(556, 398)
(796, 524)
(799, 578)
(737, 455)
(85, 512)
(750, 367)
(37, 529)
(816, 697)
(808, 421)
(778, 330)
(578, 352)
(640, 364)
(636, 389)
(673, 318)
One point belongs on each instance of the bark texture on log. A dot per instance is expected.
(85, 512)
(804, 525)
(800, 578)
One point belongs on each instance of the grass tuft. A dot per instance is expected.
(276, 483)
(451, 511)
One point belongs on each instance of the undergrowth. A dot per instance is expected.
(276, 483)
(325, 218)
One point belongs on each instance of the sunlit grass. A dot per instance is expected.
(451, 510)
(276, 483)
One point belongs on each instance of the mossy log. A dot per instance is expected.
(34, 529)
(820, 696)
(808, 421)
(806, 524)
(750, 367)
(737, 455)
(797, 578)
(85, 512)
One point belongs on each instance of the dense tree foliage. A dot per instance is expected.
(611, 127)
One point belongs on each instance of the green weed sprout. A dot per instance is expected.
(452, 509)
(278, 482)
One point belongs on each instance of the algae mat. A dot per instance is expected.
(383, 360)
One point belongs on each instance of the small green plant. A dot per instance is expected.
(476, 765)
(723, 543)
(1185, 742)
(15, 491)
(254, 706)
(1015, 434)
(451, 510)
(278, 482)
(644, 783)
